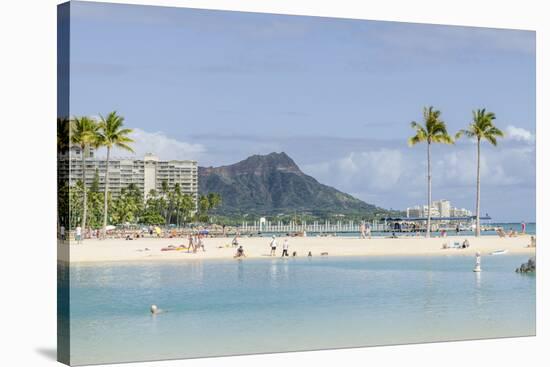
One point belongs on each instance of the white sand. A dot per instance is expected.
(258, 247)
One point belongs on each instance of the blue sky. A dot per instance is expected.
(337, 95)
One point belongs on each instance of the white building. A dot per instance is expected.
(460, 212)
(444, 207)
(146, 174)
(440, 208)
(422, 211)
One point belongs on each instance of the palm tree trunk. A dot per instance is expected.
(429, 224)
(478, 209)
(84, 195)
(105, 211)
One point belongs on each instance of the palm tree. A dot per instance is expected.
(434, 130)
(112, 134)
(84, 134)
(480, 128)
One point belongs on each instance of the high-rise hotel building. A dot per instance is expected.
(147, 174)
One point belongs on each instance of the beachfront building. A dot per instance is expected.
(440, 208)
(443, 207)
(147, 174)
(422, 211)
(460, 212)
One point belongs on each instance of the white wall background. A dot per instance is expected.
(27, 181)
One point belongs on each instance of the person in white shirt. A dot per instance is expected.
(273, 245)
(285, 248)
(78, 234)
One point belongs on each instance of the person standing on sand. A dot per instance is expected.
(368, 231)
(362, 230)
(78, 234)
(190, 244)
(285, 248)
(273, 245)
(523, 227)
(201, 243)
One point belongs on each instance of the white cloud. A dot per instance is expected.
(397, 177)
(161, 145)
(519, 134)
(378, 170)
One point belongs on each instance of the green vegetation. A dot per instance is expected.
(432, 131)
(481, 128)
(84, 133)
(111, 134)
(90, 207)
(273, 186)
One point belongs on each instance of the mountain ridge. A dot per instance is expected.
(274, 184)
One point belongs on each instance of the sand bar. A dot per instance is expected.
(258, 247)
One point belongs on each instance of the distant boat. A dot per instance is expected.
(499, 252)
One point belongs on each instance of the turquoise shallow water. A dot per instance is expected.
(217, 307)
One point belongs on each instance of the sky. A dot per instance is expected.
(337, 95)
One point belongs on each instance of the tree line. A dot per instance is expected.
(433, 130)
(88, 206)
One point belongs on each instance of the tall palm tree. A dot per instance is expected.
(84, 134)
(432, 131)
(480, 128)
(112, 134)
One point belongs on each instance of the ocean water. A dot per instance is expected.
(214, 307)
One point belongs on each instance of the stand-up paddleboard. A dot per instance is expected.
(477, 267)
(499, 252)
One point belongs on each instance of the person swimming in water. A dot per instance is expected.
(155, 310)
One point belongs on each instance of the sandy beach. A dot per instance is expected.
(258, 247)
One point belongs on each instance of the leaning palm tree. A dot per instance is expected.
(480, 128)
(112, 134)
(432, 131)
(84, 134)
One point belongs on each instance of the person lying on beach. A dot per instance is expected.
(168, 248)
(240, 252)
